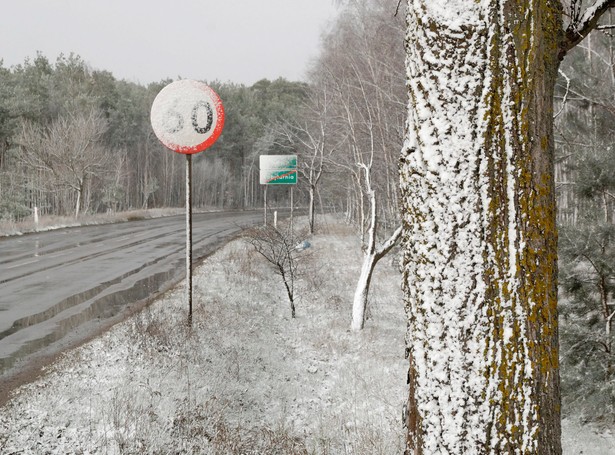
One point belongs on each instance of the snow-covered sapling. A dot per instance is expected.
(279, 247)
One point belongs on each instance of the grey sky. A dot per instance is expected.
(149, 40)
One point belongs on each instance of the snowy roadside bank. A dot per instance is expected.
(247, 378)
(51, 222)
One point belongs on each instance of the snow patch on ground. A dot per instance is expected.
(246, 377)
(580, 439)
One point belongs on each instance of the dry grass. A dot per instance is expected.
(245, 379)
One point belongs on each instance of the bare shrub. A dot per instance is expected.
(279, 248)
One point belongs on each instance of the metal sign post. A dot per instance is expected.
(265, 204)
(278, 170)
(187, 117)
(189, 236)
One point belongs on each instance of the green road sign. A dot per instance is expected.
(278, 169)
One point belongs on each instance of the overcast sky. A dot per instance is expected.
(149, 40)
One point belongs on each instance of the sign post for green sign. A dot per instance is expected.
(278, 170)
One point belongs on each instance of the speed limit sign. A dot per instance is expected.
(187, 116)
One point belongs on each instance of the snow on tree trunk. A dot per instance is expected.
(359, 304)
(480, 241)
(77, 204)
(79, 191)
(371, 253)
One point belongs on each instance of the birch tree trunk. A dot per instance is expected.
(311, 203)
(371, 253)
(370, 259)
(480, 240)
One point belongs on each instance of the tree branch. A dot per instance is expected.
(389, 244)
(579, 28)
(565, 94)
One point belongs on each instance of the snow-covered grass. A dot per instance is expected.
(50, 222)
(580, 439)
(247, 378)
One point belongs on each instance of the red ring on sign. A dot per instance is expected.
(217, 127)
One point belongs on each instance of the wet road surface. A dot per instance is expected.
(59, 287)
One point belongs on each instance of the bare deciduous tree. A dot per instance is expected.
(361, 72)
(309, 137)
(69, 150)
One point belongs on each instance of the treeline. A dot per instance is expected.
(74, 140)
(585, 179)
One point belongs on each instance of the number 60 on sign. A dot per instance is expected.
(187, 116)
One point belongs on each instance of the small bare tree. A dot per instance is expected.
(309, 137)
(372, 253)
(279, 248)
(362, 122)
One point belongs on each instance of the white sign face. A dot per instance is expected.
(277, 161)
(187, 116)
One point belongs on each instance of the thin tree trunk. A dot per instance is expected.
(78, 203)
(311, 214)
(359, 304)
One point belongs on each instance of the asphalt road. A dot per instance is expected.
(57, 288)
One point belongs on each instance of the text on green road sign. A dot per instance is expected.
(278, 176)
